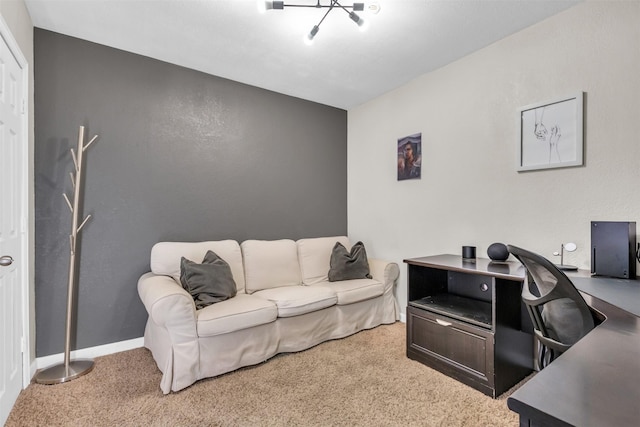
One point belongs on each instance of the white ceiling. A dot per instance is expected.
(343, 68)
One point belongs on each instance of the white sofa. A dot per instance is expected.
(284, 303)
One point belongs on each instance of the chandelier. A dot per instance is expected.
(330, 5)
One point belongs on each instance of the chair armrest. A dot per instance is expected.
(169, 306)
(385, 272)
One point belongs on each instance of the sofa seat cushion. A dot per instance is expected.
(240, 312)
(356, 290)
(296, 300)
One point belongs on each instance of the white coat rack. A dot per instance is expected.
(70, 370)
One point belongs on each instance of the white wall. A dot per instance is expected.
(16, 16)
(470, 192)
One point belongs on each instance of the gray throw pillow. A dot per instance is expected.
(209, 282)
(345, 265)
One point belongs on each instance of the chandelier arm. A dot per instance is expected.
(341, 6)
(325, 15)
(320, 6)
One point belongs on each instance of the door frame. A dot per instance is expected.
(25, 224)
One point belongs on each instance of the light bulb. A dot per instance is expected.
(373, 7)
(308, 39)
(263, 5)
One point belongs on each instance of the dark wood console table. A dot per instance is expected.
(597, 381)
(466, 319)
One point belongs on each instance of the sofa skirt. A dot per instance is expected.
(216, 355)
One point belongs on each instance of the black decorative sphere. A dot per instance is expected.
(498, 252)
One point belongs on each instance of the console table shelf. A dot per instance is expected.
(466, 319)
(469, 310)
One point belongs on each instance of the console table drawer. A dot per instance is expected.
(459, 349)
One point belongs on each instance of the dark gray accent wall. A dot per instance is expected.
(181, 156)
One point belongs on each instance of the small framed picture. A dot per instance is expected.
(409, 157)
(551, 134)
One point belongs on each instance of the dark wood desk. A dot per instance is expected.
(597, 381)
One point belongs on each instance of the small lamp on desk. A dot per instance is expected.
(569, 247)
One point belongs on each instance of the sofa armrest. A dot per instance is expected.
(171, 309)
(168, 304)
(385, 272)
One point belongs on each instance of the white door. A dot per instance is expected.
(11, 236)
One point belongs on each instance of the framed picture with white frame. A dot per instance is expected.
(551, 134)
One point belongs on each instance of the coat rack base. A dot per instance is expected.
(61, 373)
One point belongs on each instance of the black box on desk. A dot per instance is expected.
(613, 246)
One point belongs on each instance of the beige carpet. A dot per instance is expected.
(362, 380)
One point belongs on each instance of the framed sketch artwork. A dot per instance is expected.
(551, 134)
(410, 157)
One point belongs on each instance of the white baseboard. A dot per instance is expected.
(87, 353)
(403, 317)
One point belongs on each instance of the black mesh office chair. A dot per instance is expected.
(559, 314)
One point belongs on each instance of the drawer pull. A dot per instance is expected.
(443, 323)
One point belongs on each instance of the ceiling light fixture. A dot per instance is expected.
(355, 7)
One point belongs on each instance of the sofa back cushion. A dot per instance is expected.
(165, 257)
(315, 255)
(270, 264)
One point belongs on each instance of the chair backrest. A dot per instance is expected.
(559, 314)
